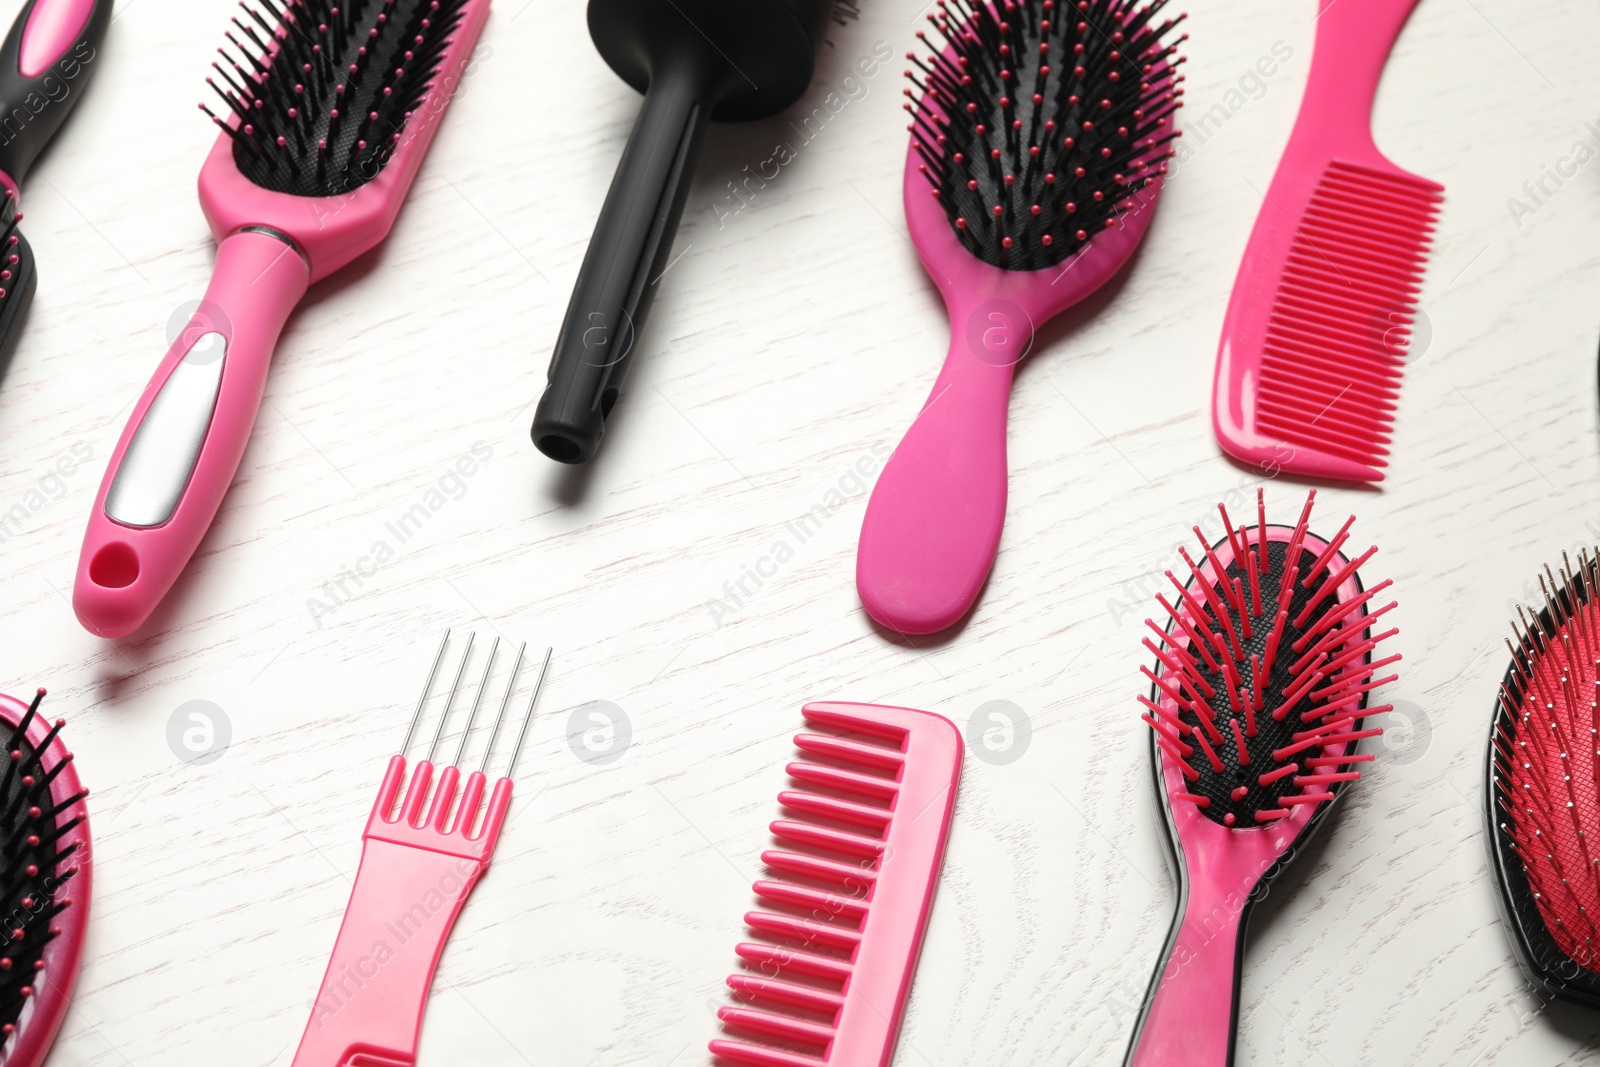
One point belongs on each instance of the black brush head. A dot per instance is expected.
(36, 868)
(1268, 670)
(323, 88)
(17, 279)
(1039, 120)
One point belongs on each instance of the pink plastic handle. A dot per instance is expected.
(416, 873)
(52, 27)
(124, 570)
(933, 523)
(1190, 1018)
(1354, 39)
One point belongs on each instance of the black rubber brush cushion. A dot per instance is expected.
(1546, 965)
(768, 48)
(18, 298)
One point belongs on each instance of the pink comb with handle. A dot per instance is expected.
(329, 126)
(1042, 141)
(1319, 326)
(860, 862)
(416, 872)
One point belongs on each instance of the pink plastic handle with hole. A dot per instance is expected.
(416, 873)
(124, 571)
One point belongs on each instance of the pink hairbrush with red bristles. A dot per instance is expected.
(1261, 682)
(1041, 132)
(333, 106)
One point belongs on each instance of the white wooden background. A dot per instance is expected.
(791, 340)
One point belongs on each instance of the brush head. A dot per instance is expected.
(1267, 664)
(1544, 784)
(43, 881)
(322, 90)
(1038, 121)
(17, 279)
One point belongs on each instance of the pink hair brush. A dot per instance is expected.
(858, 867)
(417, 870)
(1543, 796)
(44, 882)
(1037, 148)
(1319, 325)
(333, 106)
(1261, 682)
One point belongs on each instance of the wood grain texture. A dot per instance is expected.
(794, 340)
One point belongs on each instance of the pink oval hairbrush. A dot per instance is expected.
(44, 882)
(333, 106)
(1261, 682)
(1037, 148)
(1543, 796)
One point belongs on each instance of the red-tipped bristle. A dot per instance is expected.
(1277, 633)
(1546, 769)
(1015, 142)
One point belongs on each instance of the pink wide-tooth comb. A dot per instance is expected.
(859, 865)
(334, 105)
(1258, 692)
(1042, 132)
(1319, 325)
(416, 873)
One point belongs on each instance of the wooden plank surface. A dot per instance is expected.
(793, 343)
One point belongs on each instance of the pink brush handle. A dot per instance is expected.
(933, 523)
(178, 456)
(1192, 1014)
(415, 875)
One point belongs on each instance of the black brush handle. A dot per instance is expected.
(622, 269)
(47, 60)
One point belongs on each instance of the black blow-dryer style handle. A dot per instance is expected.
(47, 60)
(622, 270)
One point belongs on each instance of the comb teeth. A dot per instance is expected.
(836, 959)
(319, 91)
(1267, 671)
(1546, 770)
(1340, 326)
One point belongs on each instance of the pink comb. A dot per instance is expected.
(869, 838)
(1319, 326)
(416, 873)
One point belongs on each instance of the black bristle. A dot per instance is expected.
(35, 868)
(294, 63)
(1020, 96)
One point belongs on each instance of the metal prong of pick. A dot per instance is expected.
(416, 716)
(472, 716)
(444, 716)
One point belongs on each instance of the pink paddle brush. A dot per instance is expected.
(333, 105)
(1261, 681)
(1037, 148)
(1320, 322)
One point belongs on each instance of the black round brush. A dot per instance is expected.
(695, 60)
